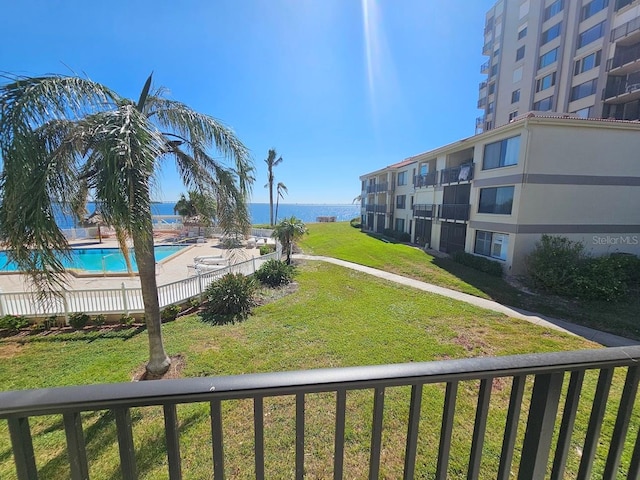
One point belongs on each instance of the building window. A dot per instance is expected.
(584, 112)
(502, 153)
(492, 244)
(584, 89)
(401, 201)
(399, 224)
(515, 96)
(402, 178)
(622, 3)
(522, 33)
(513, 115)
(524, 9)
(592, 8)
(587, 63)
(545, 82)
(591, 35)
(490, 107)
(548, 58)
(517, 75)
(494, 70)
(544, 105)
(520, 53)
(491, 88)
(551, 33)
(496, 200)
(553, 9)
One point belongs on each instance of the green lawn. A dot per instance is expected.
(340, 240)
(336, 317)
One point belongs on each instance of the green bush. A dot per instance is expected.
(13, 323)
(404, 237)
(553, 264)
(355, 222)
(127, 320)
(50, 322)
(479, 263)
(627, 266)
(78, 320)
(599, 279)
(170, 313)
(274, 273)
(99, 320)
(229, 299)
(267, 249)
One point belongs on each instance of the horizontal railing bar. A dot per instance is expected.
(100, 397)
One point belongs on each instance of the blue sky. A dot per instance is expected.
(339, 87)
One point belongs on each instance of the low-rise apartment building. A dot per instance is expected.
(495, 194)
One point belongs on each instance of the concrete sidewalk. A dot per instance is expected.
(603, 338)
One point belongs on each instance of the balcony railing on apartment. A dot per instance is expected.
(454, 211)
(628, 28)
(376, 208)
(622, 3)
(482, 102)
(622, 88)
(487, 47)
(484, 68)
(424, 210)
(428, 180)
(378, 188)
(553, 389)
(624, 57)
(460, 173)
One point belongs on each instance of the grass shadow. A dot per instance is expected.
(77, 336)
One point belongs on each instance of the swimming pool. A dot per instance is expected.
(98, 260)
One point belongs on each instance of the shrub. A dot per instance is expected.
(127, 320)
(170, 313)
(553, 264)
(267, 249)
(99, 320)
(404, 237)
(355, 222)
(229, 299)
(194, 302)
(599, 279)
(627, 266)
(274, 273)
(50, 322)
(13, 322)
(479, 263)
(78, 320)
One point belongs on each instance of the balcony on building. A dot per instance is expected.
(427, 180)
(454, 211)
(424, 210)
(627, 34)
(622, 3)
(484, 68)
(459, 167)
(625, 60)
(622, 89)
(487, 48)
(379, 187)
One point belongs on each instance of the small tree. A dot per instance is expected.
(287, 232)
(271, 162)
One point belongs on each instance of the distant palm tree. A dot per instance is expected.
(281, 189)
(271, 162)
(61, 137)
(287, 232)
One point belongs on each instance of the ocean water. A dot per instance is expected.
(259, 212)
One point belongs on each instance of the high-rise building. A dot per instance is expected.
(579, 57)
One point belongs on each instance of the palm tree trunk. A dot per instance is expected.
(277, 203)
(159, 362)
(271, 202)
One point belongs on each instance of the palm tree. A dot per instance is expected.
(63, 136)
(287, 232)
(281, 189)
(271, 162)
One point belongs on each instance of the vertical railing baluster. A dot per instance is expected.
(258, 428)
(542, 415)
(619, 435)
(338, 453)
(300, 436)
(22, 448)
(511, 427)
(595, 422)
(376, 433)
(173, 441)
(566, 427)
(480, 425)
(216, 440)
(125, 443)
(76, 448)
(446, 430)
(634, 466)
(412, 432)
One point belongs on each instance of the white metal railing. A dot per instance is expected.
(123, 300)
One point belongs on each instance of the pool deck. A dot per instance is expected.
(171, 269)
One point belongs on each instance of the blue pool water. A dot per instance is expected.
(98, 260)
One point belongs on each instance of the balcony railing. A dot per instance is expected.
(460, 173)
(378, 188)
(553, 389)
(484, 68)
(621, 89)
(426, 180)
(424, 210)
(624, 57)
(454, 211)
(626, 29)
(482, 102)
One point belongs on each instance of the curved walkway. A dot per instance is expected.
(603, 338)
